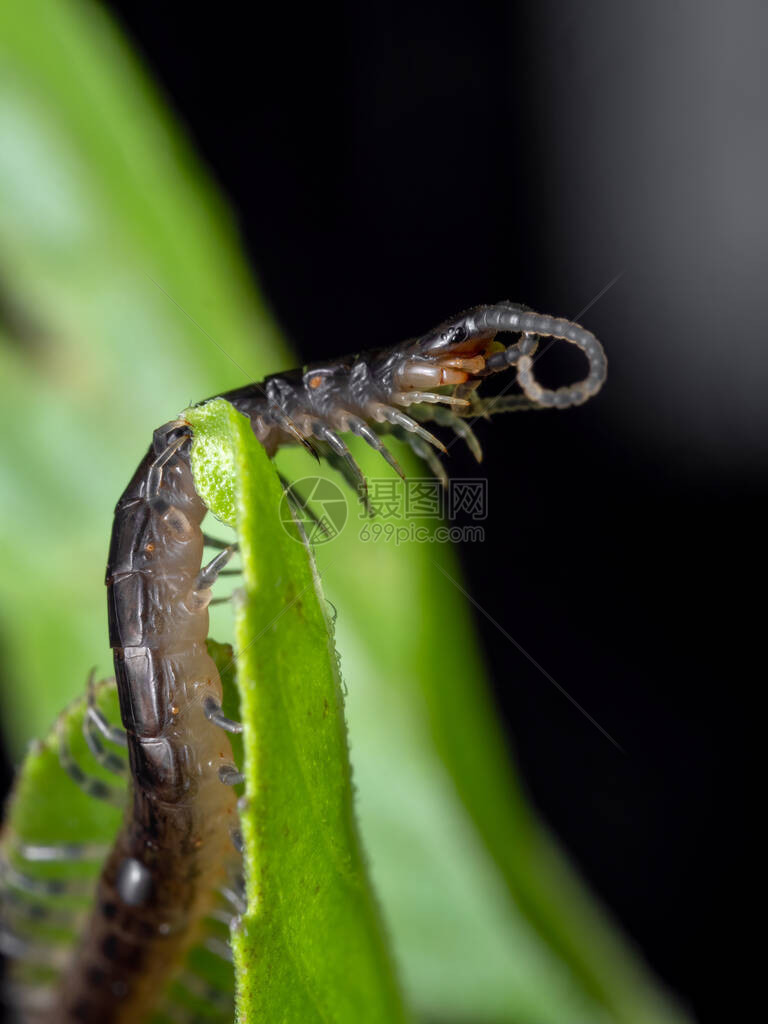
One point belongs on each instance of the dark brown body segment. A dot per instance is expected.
(161, 877)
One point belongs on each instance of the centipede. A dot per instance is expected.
(177, 852)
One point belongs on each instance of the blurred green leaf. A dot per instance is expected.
(123, 297)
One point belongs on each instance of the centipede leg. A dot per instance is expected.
(48, 887)
(447, 418)
(230, 775)
(155, 474)
(211, 572)
(214, 714)
(290, 427)
(495, 404)
(111, 762)
(219, 948)
(361, 428)
(341, 466)
(214, 542)
(33, 1001)
(399, 419)
(32, 952)
(339, 448)
(20, 907)
(237, 839)
(48, 853)
(92, 786)
(427, 454)
(235, 897)
(95, 725)
(112, 733)
(429, 398)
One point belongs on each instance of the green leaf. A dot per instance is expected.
(311, 947)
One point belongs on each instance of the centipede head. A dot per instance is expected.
(450, 355)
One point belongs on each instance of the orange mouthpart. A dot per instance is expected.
(423, 374)
(472, 364)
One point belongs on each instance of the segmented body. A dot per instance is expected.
(160, 879)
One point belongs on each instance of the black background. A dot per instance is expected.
(391, 164)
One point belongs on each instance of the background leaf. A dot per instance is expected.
(124, 298)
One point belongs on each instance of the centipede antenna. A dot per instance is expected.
(214, 714)
(510, 356)
(399, 419)
(505, 317)
(230, 776)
